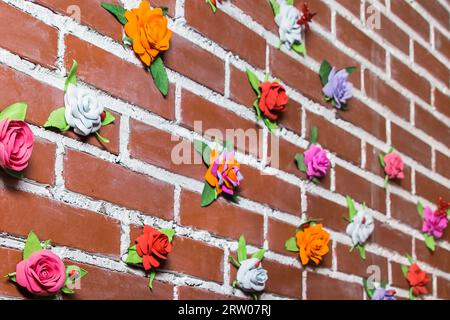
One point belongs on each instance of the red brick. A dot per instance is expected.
(296, 75)
(12, 34)
(381, 92)
(94, 67)
(346, 262)
(367, 119)
(408, 144)
(443, 288)
(158, 150)
(282, 157)
(214, 118)
(61, 223)
(10, 258)
(260, 11)
(320, 287)
(101, 284)
(319, 49)
(405, 211)
(442, 164)
(441, 102)
(361, 190)
(425, 59)
(351, 5)
(242, 41)
(277, 234)
(431, 125)
(410, 80)
(430, 189)
(195, 63)
(390, 238)
(106, 181)
(270, 190)
(334, 138)
(238, 221)
(442, 43)
(359, 42)
(437, 11)
(331, 213)
(91, 14)
(439, 259)
(192, 293)
(392, 33)
(41, 167)
(398, 280)
(411, 17)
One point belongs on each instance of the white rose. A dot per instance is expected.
(361, 227)
(251, 277)
(83, 112)
(288, 28)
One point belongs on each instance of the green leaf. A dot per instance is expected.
(16, 111)
(109, 118)
(383, 284)
(14, 174)
(299, 48)
(208, 195)
(420, 209)
(12, 276)
(258, 111)
(72, 77)
(291, 244)
(46, 244)
(324, 72)
(271, 125)
(234, 283)
(151, 278)
(429, 242)
(350, 70)
(164, 11)
(405, 270)
(410, 259)
(234, 262)
(242, 249)
(313, 136)
(117, 11)
(290, 2)
(275, 7)
(254, 82)
(411, 294)
(386, 180)
(369, 287)
(228, 145)
(101, 138)
(57, 119)
(351, 208)
(381, 160)
(127, 41)
(259, 254)
(169, 233)
(254, 296)
(32, 244)
(204, 150)
(213, 7)
(362, 251)
(66, 290)
(300, 160)
(159, 74)
(133, 257)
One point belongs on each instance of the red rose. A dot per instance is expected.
(151, 246)
(417, 279)
(273, 99)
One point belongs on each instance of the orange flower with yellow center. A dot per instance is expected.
(148, 29)
(312, 243)
(224, 172)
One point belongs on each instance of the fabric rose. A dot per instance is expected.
(148, 29)
(251, 277)
(434, 223)
(383, 294)
(151, 246)
(316, 161)
(393, 166)
(43, 273)
(273, 99)
(288, 27)
(338, 87)
(418, 280)
(312, 243)
(224, 172)
(82, 110)
(361, 227)
(16, 144)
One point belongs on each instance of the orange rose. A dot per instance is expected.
(312, 243)
(148, 29)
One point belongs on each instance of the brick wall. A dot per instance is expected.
(91, 200)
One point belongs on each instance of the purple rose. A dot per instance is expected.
(316, 161)
(338, 87)
(383, 294)
(434, 224)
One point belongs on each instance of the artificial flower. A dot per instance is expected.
(393, 166)
(312, 242)
(251, 277)
(152, 246)
(273, 99)
(224, 172)
(317, 162)
(338, 88)
(288, 27)
(16, 144)
(361, 227)
(443, 207)
(148, 29)
(434, 223)
(306, 16)
(417, 280)
(383, 294)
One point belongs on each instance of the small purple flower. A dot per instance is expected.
(338, 87)
(434, 224)
(383, 294)
(316, 161)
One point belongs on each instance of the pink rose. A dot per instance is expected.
(393, 166)
(16, 144)
(433, 223)
(43, 273)
(316, 161)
